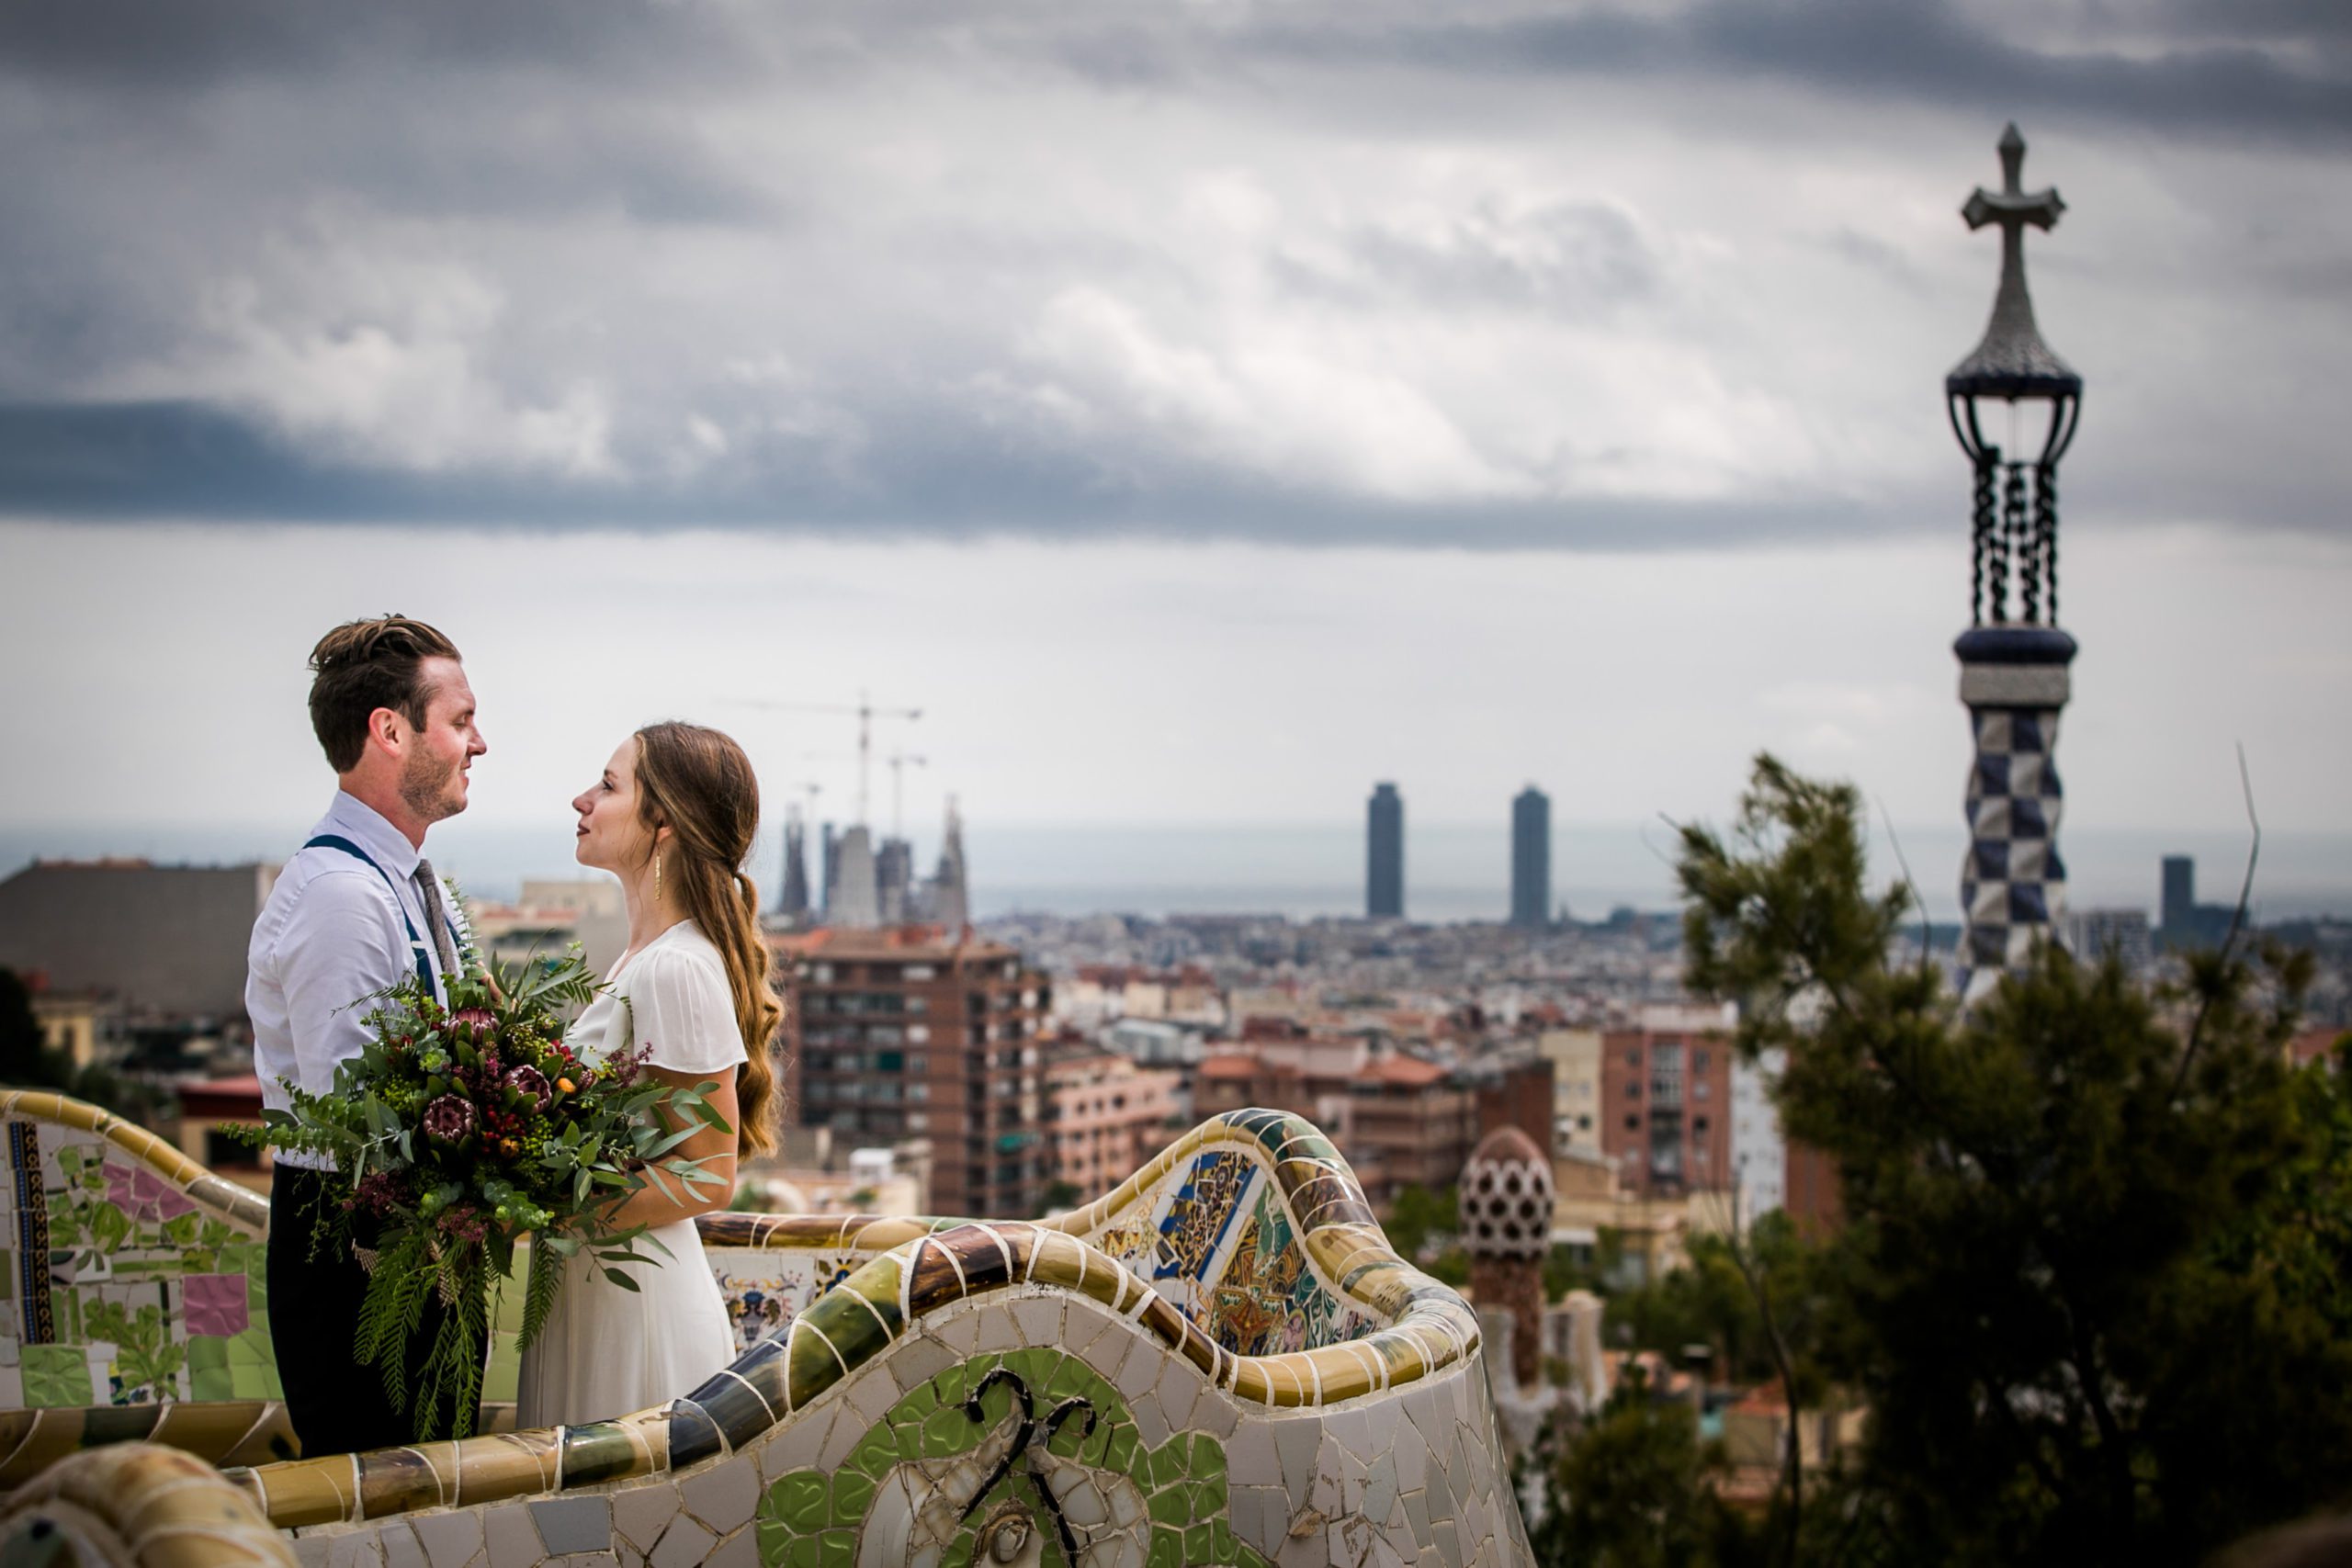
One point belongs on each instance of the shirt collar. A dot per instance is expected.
(366, 826)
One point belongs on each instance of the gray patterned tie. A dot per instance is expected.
(437, 916)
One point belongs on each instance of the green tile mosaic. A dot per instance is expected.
(853, 1491)
(56, 1376)
(924, 1447)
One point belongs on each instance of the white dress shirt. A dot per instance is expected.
(332, 933)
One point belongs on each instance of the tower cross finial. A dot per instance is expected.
(2012, 361)
(2012, 206)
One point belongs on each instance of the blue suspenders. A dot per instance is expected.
(415, 942)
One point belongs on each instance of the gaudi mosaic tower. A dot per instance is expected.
(2013, 658)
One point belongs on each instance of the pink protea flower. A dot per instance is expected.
(448, 1118)
(529, 1082)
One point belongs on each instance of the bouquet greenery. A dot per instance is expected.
(459, 1129)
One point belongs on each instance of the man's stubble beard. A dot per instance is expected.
(430, 791)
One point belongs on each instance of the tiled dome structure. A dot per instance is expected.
(1506, 1197)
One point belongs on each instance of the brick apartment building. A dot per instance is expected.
(1400, 1121)
(1407, 1123)
(905, 1033)
(1666, 1109)
(1104, 1116)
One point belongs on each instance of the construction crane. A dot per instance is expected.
(866, 712)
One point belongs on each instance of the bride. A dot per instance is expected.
(673, 817)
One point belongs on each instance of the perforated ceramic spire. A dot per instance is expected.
(1506, 1197)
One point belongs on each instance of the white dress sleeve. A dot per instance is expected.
(679, 1004)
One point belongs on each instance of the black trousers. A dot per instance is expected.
(336, 1405)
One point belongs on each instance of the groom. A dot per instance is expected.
(356, 908)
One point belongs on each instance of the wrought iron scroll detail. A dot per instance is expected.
(1032, 1432)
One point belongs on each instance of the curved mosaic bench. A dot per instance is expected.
(136, 1305)
(1221, 1361)
(138, 1505)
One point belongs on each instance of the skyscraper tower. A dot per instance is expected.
(2179, 917)
(793, 902)
(1531, 860)
(2013, 658)
(1384, 894)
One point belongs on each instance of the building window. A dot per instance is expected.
(920, 972)
(1700, 1090)
(1698, 1124)
(1666, 1074)
(1633, 1123)
(1633, 1058)
(1698, 1060)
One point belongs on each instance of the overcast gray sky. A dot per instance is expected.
(1202, 409)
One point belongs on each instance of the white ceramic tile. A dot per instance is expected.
(508, 1537)
(684, 1545)
(641, 1512)
(400, 1548)
(450, 1539)
(724, 1497)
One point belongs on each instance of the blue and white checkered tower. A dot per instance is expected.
(2013, 658)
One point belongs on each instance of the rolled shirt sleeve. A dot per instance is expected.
(679, 1004)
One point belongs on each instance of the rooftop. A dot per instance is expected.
(914, 944)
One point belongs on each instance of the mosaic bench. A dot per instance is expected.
(1220, 1361)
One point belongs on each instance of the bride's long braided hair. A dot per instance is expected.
(698, 783)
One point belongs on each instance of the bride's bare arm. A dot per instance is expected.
(715, 1150)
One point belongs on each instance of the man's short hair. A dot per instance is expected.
(365, 665)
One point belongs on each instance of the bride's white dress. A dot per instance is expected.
(605, 1351)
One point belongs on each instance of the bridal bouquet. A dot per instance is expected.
(460, 1128)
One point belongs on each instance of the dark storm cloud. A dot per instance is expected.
(2201, 71)
(2264, 67)
(252, 249)
(112, 463)
(124, 43)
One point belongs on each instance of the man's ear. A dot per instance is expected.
(387, 729)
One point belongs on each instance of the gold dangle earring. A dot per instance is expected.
(657, 876)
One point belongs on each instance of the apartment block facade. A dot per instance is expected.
(898, 1034)
(1666, 1109)
(1104, 1116)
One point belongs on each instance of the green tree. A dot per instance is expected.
(26, 1062)
(1631, 1488)
(1420, 1216)
(1715, 1303)
(2079, 1281)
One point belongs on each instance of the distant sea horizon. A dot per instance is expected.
(1452, 872)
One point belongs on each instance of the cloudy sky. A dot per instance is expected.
(1201, 411)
